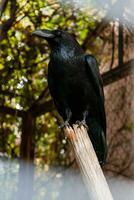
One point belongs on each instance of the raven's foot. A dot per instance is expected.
(82, 123)
(64, 125)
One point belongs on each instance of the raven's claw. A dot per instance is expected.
(82, 123)
(64, 125)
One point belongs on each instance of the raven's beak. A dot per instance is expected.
(43, 33)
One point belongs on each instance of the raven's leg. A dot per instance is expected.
(68, 117)
(83, 122)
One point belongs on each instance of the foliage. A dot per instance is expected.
(23, 72)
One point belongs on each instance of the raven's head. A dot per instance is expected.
(57, 38)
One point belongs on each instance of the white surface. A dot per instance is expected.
(121, 188)
(66, 185)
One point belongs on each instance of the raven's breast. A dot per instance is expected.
(77, 90)
(72, 85)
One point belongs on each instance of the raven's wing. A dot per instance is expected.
(94, 75)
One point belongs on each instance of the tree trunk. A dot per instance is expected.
(27, 146)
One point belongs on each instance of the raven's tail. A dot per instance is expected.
(98, 140)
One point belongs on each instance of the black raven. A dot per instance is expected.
(76, 86)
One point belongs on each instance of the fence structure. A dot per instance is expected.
(119, 101)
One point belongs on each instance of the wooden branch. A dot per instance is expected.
(3, 4)
(5, 26)
(118, 72)
(11, 111)
(41, 99)
(86, 158)
(44, 107)
(95, 33)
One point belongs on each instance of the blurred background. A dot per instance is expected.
(29, 123)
